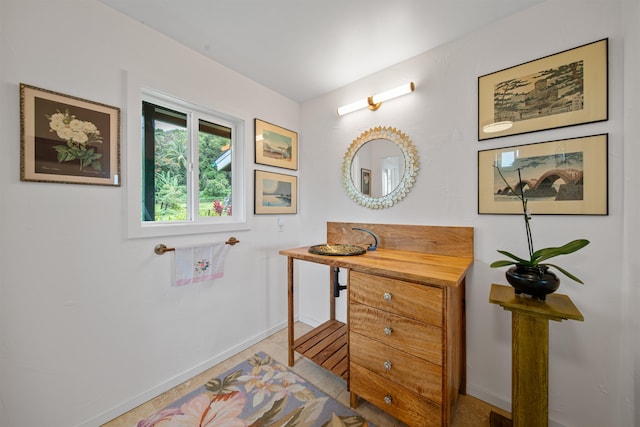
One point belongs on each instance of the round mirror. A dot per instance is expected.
(380, 167)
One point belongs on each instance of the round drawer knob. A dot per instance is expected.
(388, 400)
(388, 330)
(387, 296)
(387, 365)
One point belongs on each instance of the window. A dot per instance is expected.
(392, 169)
(190, 168)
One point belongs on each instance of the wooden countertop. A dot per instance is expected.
(439, 270)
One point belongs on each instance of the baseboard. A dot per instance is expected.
(147, 395)
(493, 399)
(309, 321)
(490, 398)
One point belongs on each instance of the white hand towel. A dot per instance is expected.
(199, 263)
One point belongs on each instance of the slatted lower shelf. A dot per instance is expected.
(326, 345)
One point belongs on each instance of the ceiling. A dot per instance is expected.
(306, 48)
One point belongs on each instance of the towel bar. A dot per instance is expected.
(162, 248)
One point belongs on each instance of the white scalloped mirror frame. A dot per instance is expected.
(410, 167)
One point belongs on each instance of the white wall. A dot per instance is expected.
(631, 226)
(591, 383)
(89, 324)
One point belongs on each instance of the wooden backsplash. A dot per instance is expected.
(440, 240)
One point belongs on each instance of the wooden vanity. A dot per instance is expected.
(403, 347)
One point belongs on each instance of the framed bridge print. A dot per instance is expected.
(564, 89)
(67, 139)
(567, 176)
(275, 146)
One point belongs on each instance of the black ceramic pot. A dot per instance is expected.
(535, 281)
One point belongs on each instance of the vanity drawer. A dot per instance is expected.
(420, 302)
(394, 399)
(417, 338)
(416, 374)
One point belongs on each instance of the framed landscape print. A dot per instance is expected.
(275, 193)
(567, 176)
(67, 139)
(564, 89)
(275, 146)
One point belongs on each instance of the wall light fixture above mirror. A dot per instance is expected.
(380, 167)
(373, 102)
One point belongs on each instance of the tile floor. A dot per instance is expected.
(469, 412)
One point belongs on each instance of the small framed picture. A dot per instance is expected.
(365, 181)
(567, 176)
(275, 146)
(564, 89)
(67, 139)
(275, 193)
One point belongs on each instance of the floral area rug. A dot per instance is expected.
(259, 392)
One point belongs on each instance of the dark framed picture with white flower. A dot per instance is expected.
(67, 139)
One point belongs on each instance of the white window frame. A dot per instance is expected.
(136, 227)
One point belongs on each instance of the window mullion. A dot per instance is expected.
(193, 175)
(148, 164)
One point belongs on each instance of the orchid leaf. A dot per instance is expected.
(516, 258)
(546, 253)
(566, 273)
(502, 263)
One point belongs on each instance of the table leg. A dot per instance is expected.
(332, 300)
(290, 316)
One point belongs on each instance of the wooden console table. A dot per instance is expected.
(403, 346)
(530, 353)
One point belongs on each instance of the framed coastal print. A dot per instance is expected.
(567, 176)
(67, 139)
(564, 89)
(275, 146)
(275, 193)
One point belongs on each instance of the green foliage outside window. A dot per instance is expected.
(171, 162)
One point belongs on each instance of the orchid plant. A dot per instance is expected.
(536, 258)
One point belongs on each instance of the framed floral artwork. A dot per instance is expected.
(275, 193)
(66, 139)
(275, 146)
(567, 176)
(564, 89)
